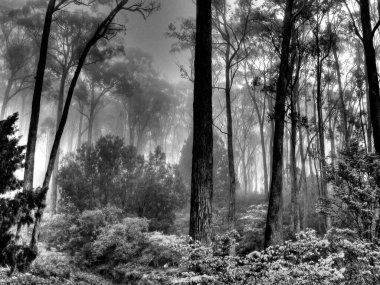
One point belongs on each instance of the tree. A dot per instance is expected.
(17, 56)
(202, 161)
(273, 229)
(70, 31)
(11, 155)
(220, 168)
(106, 29)
(366, 37)
(34, 117)
(232, 35)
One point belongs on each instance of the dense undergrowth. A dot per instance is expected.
(103, 247)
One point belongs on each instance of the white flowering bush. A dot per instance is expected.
(338, 258)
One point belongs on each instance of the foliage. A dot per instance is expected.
(88, 177)
(15, 206)
(74, 231)
(11, 155)
(160, 191)
(355, 198)
(334, 259)
(51, 264)
(111, 173)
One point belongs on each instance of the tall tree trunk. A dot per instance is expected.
(373, 81)
(341, 96)
(230, 149)
(35, 114)
(245, 176)
(295, 216)
(22, 115)
(79, 139)
(261, 125)
(99, 33)
(273, 230)
(91, 116)
(321, 131)
(309, 144)
(6, 97)
(54, 185)
(303, 181)
(202, 161)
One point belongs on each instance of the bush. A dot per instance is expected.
(111, 173)
(52, 264)
(339, 258)
(74, 231)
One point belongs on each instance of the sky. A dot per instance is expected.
(150, 37)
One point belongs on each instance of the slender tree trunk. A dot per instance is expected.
(35, 114)
(295, 216)
(91, 116)
(230, 149)
(262, 136)
(303, 181)
(321, 130)
(54, 185)
(6, 98)
(245, 176)
(22, 115)
(372, 76)
(309, 143)
(79, 139)
(273, 230)
(202, 161)
(341, 97)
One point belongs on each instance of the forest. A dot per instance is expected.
(189, 142)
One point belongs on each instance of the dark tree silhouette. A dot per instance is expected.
(34, 117)
(273, 230)
(201, 176)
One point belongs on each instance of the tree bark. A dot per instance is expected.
(295, 216)
(273, 230)
(202, 161)
(372, 77)
(303, 181)
(35, 114)
(230, 149)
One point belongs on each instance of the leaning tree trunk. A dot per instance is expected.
(99, 33)
(202, 161)
(273, 230)
(372, 76)
(35, 114)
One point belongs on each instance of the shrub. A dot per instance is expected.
(111, 173)
(74, 231)
(119, 243)
(308, 260)
(52, 264)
